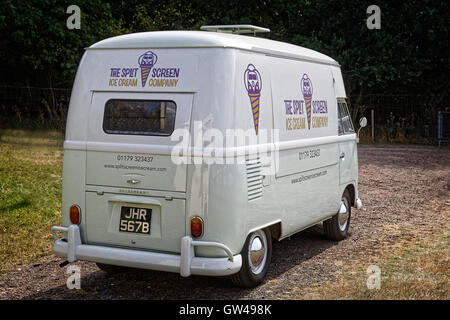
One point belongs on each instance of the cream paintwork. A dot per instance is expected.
(210, 89)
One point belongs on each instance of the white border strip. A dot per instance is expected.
(204, 152)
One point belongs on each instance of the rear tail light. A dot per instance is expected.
(75, 214)
(196, 227)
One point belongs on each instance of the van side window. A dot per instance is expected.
(139, 117)
(345, 121)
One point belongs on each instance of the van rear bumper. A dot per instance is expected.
(186, 263)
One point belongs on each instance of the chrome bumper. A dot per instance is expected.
(186, 263)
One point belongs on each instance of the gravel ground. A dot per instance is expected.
(400, 188)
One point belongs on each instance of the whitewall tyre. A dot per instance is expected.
(256, 255)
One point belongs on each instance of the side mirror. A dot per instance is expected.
(362, 124)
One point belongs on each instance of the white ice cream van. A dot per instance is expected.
(188, 151)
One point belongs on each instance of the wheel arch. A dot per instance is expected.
(352, 190)
(273, 226)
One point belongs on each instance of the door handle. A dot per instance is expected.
(133, 181)
(342, 156)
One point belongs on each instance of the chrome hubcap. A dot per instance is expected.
(257, 253)
(343, 216)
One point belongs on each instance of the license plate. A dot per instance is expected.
(135, 220)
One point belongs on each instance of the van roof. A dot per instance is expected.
(204, 39)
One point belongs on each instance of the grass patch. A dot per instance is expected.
(419, 270)
(30, 202)
(32, 137)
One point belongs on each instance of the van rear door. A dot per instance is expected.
(135, 193)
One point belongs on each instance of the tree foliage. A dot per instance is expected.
(409, 54)
(37, 48)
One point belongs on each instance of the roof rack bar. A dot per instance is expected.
(236, 29)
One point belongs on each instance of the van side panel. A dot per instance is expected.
(216, 190)
(225, 211)
(260, 203)
(305, 185)
(305, 112)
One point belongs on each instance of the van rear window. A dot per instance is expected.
(139, 117)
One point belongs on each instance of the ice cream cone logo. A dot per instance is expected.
(253, 84)
(146, 62)
(307, 90)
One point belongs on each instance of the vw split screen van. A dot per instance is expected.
(188, 151)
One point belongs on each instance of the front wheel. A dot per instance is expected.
(256, 255)
(336, 228)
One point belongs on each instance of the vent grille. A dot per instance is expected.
(254, 179)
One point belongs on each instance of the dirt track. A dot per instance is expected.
(400, 188)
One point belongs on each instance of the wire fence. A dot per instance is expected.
(443, 124)
(399, 118)
(391, 118)
(33, 108)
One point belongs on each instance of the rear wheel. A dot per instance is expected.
(336, 228)
(256, 255)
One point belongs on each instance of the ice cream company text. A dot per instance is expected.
(149, 76)
(298, 108)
